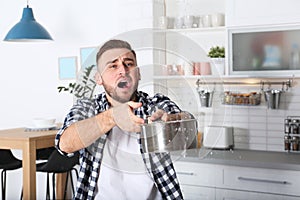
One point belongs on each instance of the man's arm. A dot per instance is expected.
(83, 133)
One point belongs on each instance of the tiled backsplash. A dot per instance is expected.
(255, 127)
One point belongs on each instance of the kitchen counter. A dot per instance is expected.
(245, 158)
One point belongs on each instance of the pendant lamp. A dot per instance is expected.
(27, 30)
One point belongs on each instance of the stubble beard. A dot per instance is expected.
(112, 92)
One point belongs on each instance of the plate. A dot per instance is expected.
(41, 127)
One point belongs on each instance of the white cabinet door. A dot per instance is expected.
(198, 174)
(196, 193)
(257, 12)
(209, 181)
(222, 194)
(262, 180)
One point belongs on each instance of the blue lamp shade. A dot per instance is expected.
(27, 30)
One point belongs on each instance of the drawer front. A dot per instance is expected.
(198, 174)
(222, 194)
(196, 192)
(262, 180)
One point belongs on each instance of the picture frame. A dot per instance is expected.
(67, 68)
(88, 56)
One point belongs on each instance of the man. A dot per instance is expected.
(105, 132)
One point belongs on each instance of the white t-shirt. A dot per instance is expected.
(123, 174)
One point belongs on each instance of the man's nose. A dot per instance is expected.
(122, 69)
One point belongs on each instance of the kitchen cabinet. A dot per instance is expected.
(269, 50)
(262, 36)
(197, 180)
(223, 194)
(197, 192)
(266, 12)
(199, 174)
(273, 181)
(216, 181)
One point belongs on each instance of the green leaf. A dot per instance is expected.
(216, 52)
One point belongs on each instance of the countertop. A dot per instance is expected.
(245, 158)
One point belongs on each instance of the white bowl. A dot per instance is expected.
(43, 122)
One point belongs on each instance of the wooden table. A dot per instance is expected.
(29, 142)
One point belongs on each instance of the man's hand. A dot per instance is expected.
(162, 115)
(124, 117)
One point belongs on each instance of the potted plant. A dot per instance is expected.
(85, 84)
(216, 52)
(217, 55)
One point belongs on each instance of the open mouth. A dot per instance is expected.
(122, 84)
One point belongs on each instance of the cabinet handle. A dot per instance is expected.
(186, 173)
(262, 180)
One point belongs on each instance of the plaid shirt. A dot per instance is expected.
(159, 165)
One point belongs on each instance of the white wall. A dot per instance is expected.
(29, 74)
(29, 71)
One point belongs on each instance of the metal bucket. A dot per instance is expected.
(205, 98)
(272, 98)
(169, 136)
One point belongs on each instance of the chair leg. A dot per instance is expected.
(3, 183)
(66, 185)
(73, 189)
(21, 197)
(48, 188)
(76, 172)
(69, 173)
(53, 186)
(72, 184)
(77, 176)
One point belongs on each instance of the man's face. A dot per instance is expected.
(118, 73)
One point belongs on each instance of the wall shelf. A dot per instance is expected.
(223, 77)
(286, 83)
(197, 30)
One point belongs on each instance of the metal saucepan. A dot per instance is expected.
(169, 136)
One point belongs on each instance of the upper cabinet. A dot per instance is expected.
(263, 37)
(264, 51)
(257, 12)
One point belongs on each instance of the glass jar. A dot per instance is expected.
(227, 98)
(287, 126)
(295, 143)
(287, 143)
(295, 126)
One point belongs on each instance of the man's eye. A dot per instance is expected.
(113, 66)
(130, 64)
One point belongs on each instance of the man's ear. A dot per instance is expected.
(98, 78)
(139, 73)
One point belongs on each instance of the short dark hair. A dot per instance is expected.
(114, 44)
